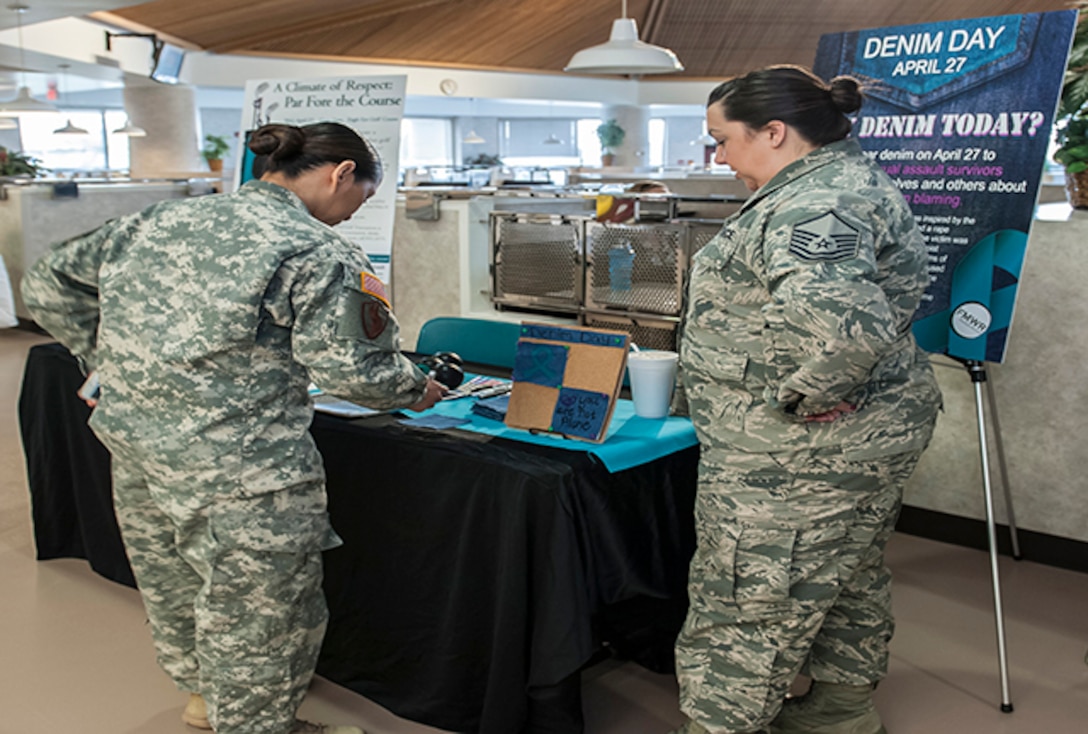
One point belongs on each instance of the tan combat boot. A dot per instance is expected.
(306, 727)
(830, 708)
(196, 712)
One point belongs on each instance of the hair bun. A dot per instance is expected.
(277, 141)
(846, 94)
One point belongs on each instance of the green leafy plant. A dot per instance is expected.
(215, 147)
(1071, 128)
(14, 163)
(1072, 139)
(1075, 84)
(611, 136)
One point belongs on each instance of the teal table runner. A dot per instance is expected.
(630, 440)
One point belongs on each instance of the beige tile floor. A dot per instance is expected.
(76, 656)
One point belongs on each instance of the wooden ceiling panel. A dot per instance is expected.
(713, 38)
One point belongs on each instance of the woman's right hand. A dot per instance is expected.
(433, 393)
(835, 413)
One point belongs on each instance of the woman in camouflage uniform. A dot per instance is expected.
(206, 319)
(812, 404)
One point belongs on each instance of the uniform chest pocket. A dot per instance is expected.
(716, 254)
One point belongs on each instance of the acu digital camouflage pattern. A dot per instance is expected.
(206, 320)
(802, 301)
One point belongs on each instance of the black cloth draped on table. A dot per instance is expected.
(477, 576)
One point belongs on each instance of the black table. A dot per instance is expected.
(478, 575)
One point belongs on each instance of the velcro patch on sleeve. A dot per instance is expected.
(826, 238)
(375, 317)
(372, 285)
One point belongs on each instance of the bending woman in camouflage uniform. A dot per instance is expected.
(206, 319)
(812, 404)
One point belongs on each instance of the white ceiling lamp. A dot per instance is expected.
(133, 131)
(23, 102)
(69, 128)
(472, 138)
(624, 54)
(552, 138)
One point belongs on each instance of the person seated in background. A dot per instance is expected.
(620, 209)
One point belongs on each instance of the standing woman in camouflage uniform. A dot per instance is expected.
(812, 404)
(206, 319)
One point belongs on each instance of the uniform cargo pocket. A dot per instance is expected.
(748, 569)
(280, 532)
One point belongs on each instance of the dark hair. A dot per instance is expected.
(647, 187)
(795, 96)
(292, 150)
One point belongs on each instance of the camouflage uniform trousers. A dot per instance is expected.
(239, 622)
(788, 575)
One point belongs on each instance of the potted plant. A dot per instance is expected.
(483, 160)
(215, 147)
(611, 136)
(1071, 127)
(15, 164)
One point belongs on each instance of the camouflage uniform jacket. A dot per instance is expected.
(206, 320)
(805, 299)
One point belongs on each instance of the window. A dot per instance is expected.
(95, 151)
(425, 141)
(589, 145)
(656, 128)
(538, 142)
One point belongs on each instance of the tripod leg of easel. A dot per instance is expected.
(991, 531)
(1003, 469)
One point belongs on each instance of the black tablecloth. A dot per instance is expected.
(478, 575)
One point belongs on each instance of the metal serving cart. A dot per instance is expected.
(565, 264)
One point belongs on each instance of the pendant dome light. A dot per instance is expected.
(624, 54)
(69, 128)
(133, 131)
(23, 102)
(473, 138)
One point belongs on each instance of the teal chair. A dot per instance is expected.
(476, 340)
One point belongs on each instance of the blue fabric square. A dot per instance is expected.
(540, 364)
(579, 413)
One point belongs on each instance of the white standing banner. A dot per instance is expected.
(372, 106)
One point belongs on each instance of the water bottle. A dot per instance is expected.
(621, 258)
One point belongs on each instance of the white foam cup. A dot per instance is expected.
(653, 374)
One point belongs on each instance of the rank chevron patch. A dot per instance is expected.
(826, 238)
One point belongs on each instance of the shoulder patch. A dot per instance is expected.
(373, 286)
(375, 318)
(826, 238)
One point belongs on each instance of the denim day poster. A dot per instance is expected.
(959, 115)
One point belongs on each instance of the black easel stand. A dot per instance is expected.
(977, 371)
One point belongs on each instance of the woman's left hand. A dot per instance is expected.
(835, 413)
